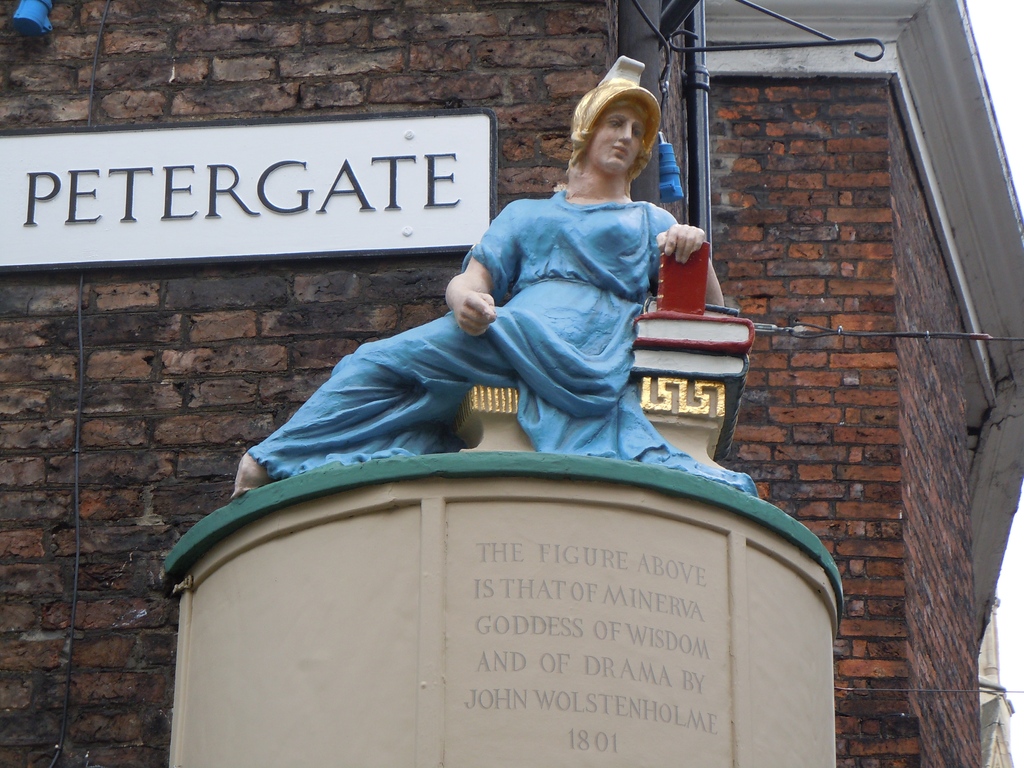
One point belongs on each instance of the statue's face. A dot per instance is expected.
(616, 141)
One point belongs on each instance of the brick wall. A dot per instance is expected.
(855, 436)
(184, 369)
(940, 585)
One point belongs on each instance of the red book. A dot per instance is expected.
(682, 287)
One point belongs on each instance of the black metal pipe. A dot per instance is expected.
(698, 139)
(639, 41)
(674, 13)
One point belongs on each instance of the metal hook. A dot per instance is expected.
(827, 41)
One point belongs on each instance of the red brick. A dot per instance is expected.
(223, 37)
(806, 251)
(854, 215)
(36, 109)
(756, 434)
(218, 326)
(233, 359)
(441, 56)
(126, 727)
(17, 617)
(42, 77)
(28, 367)
(571, 84)
(14, 694)
(341, 63)
(37, 435)
(868, 144)
(127, 296)
(108, 651)
(576, 21)
(867, 435)
(874, 472)
(270, 98)
(887, 549)
(905, 746)
(244, 69)
(860, 288)
(211, 429)
(106, 433)
(815, 472)
(24, 542)
(805, 415)
(456, 25)
(107, 687)
(351, 30)
(23, 401)
(131, 13)
(872, 668)
(135, 41)
(114, 364)
(33, 580)
(22, 655)
(321, 96)
(420, 89)
(543, 53)
(873, 628)
(808, 360)
(854, 180)
(295, 323)
(114, 467)
(874, 587)
(113, 614)
(814, 397)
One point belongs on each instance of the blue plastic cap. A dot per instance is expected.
(33, 17)
(669, 185)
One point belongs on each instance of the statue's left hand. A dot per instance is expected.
(681, 240)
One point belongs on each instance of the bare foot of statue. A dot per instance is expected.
(251, 474)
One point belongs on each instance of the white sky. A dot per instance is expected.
(998, 26)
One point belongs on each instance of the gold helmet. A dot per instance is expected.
(621, 86)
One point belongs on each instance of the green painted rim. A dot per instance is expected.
(335, 478)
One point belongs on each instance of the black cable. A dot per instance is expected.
(654, 27)
(664, 46)
(95, 61)
(59, 747)
(812, 331)
(975, 691)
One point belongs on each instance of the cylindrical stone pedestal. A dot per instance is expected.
(503, 609)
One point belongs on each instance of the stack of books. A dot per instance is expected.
(691, 360)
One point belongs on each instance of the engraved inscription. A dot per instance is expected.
(615, 638)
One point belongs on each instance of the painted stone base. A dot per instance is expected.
(503, 609)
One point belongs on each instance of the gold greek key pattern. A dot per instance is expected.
(662, 394)
(484, 399)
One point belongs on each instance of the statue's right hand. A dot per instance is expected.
(474, 312)
(470, 300)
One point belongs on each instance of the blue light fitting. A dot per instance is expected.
(669, 185)
(33, 17)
